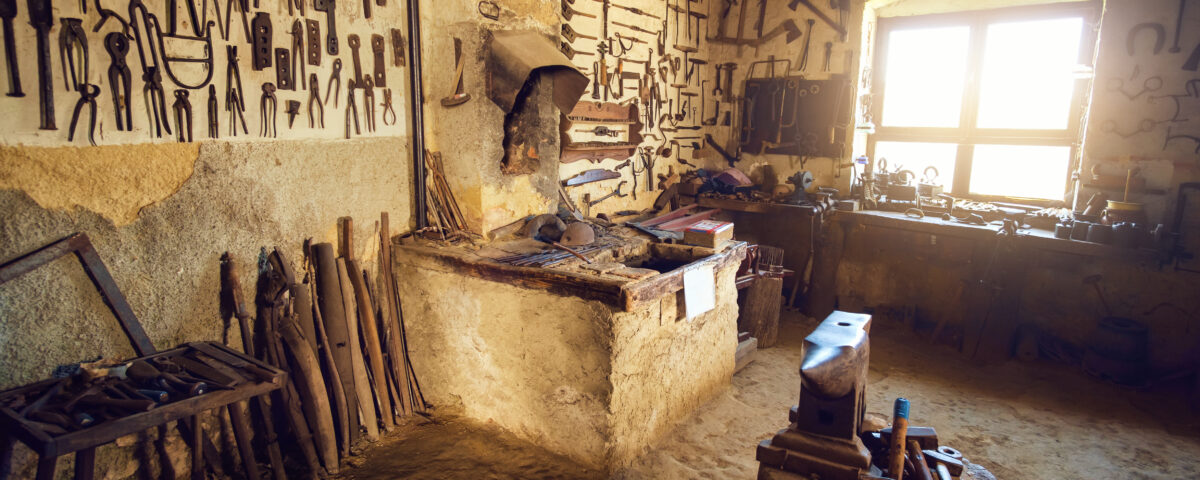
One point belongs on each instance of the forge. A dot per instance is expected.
(594, 367)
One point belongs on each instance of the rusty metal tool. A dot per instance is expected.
(41, 16)
(398, 46)
(292, 109)
(920, 467)
(268, 108)
(946, 461)
(366, 9)
(570, 51)
(314, 97)
(898, 441)
(369, 103)
(571, 35)
(335, 76)
(313, 36)
(213, 121)
(260, 54)
(207, 60)
(587, 197)
(298, 52)
(490, 10)
(72, 48)
(235, 95)
(1174, 46)
(828, 53)
(459, 97)
(351, 109)
(568, 12)
(8, 11)
(354, 43)
(243, 7)
(330, 9)
(632, 27)
(284, 77)
(803, 60)
(183, 112)
(106, 14)
(824, 18)
(601, 130)
(87, 96)
(119, 79)
(387, 108)
(633, 10)
(140, 20)
(380, 67)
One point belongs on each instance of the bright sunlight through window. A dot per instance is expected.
(991, 97)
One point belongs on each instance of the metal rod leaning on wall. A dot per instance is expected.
(416, 107)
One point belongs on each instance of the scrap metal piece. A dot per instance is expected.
(261, 41)
(380, 66)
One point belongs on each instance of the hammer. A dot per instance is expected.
(459, 97)
(898, 440)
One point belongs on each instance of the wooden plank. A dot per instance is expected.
(678, 212)
(636, 294)
(366, 402)
(367, 325)
(314, 393)
(333, 312)
(388, 304)
(746, 351)
(822, 293)
(753, 207)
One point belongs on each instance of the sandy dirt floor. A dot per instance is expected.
(1020, 421)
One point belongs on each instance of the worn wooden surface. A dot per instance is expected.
(760, 313)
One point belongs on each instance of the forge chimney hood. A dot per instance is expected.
(516, 55)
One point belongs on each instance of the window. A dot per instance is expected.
(990, 99)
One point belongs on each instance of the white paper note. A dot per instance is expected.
(699, 291)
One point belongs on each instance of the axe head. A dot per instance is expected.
(793, 32)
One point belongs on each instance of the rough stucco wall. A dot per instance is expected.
(680, 364)
(574, 376)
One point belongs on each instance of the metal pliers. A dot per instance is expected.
(183, 111)
(87, 96)
(387, 107)
(334, 76)
(269, 106)
(314, 97)
(156, 100)
(369, 102)
(72, 40)
(351, 109)
(213, 130)
(235, 101)
(119, 79)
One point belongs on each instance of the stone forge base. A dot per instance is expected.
(594, 371)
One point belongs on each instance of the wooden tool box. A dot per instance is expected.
(230, 376)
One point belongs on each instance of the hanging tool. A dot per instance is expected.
(397, 47)
(183, 113)
(635, 11)
(601, 130)
(366, 9)
(369, 103)
(596, 81)
(631, 27)
(292, 109)
(459, 97)
(353, 41)
(803, 61)
(213, 121)
(312, 29)
(602, 71)
(167, 60)
(8, 11)
(587, 197)
(1174, 46)
(828, 53)
(106, 14)
(298, 52)
(568, 12)
(294, 5)
(72, 46)
(351, 109)
(898, 441)
(196, 22)
(330, 8)
(119, 79)
(152, 89)
(824, 18)
(260, 55)
(235, 95)
(243, 7)
(387, 107)
(489, 10)
(570, 52)
(41, 16)
(268, 108)
(571, 35)
(284, 77)
(380, 66)
(335, 76)
(87, 96)
(314, 97)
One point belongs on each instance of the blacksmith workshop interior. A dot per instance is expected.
(589, 239)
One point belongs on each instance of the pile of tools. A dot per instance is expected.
(827, 438)
(442, 209)
(342, 339)
(182, 50)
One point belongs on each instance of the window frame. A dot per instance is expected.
(967, 134)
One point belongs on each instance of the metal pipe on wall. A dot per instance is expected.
(416, 106)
